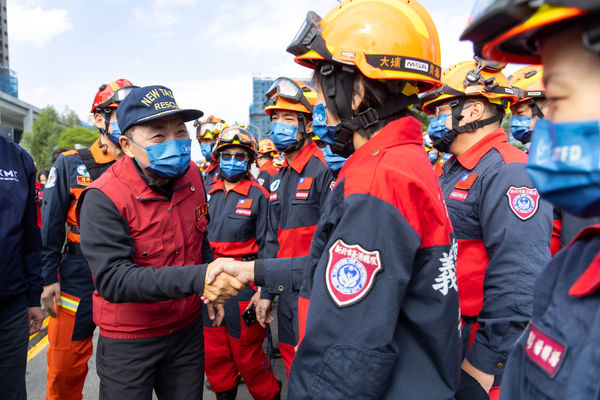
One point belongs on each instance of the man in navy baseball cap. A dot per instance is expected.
(143, 232)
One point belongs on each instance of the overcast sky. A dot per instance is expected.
(205, 51)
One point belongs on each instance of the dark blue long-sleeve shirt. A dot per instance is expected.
(20, 263)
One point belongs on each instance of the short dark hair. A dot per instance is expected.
(129, 132)
(57, 152)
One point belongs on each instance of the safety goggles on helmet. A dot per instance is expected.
(474, 77)
(492, 18)
(309, 37)
(117, 97)
(287, 90)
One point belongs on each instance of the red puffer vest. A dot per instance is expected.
(165, 233)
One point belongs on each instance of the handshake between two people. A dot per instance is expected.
(225, 278)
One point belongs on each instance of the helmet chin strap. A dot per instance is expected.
(536, 111)
(339, 89)
(457, 105)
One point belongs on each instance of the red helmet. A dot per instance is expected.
(105, 98)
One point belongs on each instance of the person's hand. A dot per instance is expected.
(36, 317)
(255, 298)
(51, 296)
(242, 270)
(216, 313)
(485, 380)
(263, 312)
(221, 288)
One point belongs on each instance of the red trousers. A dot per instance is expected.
(235, 349)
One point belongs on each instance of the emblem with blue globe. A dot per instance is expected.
(523, 203)
(349, 276)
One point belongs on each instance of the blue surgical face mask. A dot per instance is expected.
(116, 132)
(564, 164)
(333, 161)
(520, 127)
(206, 150)
(437, 127)
(233, 170)
(170, 159)
(322, 130)
(283, 135)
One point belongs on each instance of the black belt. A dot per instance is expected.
(74, 248)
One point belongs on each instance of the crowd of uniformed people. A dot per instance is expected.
(407, 263)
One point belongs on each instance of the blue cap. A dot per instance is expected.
(148, 103)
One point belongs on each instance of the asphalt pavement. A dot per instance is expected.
(36, 371)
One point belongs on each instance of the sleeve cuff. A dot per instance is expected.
(277, 275)
(259, 275)
(50, 279)
(33, 298)
(486, 359)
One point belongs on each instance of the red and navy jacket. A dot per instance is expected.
(20, 281)
(558, 357)
(238, 219)
(503, 230)
(68, 177)
(266, 172)
(145, 250)
(383, 320)
(209, 173)
(298, 192)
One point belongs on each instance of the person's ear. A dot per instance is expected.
(476, 112)
(99, 121)
(309, 127)
(358, 94)
(126, 145)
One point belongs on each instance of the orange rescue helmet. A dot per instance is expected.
(106, 99)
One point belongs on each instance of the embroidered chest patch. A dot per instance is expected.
(466, 181)
(201, 211)
(350, 272)
(544, 351)
(243, 207)
(460, 195)
(83, 180)
(523, 201)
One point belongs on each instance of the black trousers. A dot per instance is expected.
(14, 339)
(172, 365)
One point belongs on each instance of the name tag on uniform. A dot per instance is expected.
(544, 351)
(302, 195)
(83, 180)
(243, 211)
(459, 195)
(243, 207)
(273, 196)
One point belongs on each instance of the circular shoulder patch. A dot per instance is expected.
(51, 178)
(82, 170)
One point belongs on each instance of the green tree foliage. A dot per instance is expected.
(52, 130)
(77, 135)
(44, 136)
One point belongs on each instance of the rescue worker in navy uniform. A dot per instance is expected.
(264, 161)
(383, 318)
(238, 210)
(557, 356)
(207, 132)
(298, 192)
(148, 255)
(68, 299)
(502, 227)
(20, 280)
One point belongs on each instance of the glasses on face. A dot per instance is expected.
(239, 156)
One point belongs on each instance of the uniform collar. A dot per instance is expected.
(406, 130)
(470, 158)
(100, 153)
(268, 166)
(589, 281)
(302, 158)
(242, 187)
